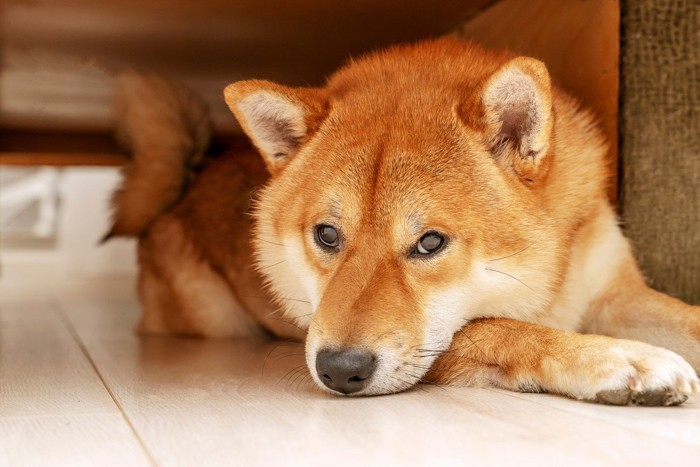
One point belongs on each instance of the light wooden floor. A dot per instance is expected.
(77, 387)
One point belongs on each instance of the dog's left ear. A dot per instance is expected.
(517, 103)
(278, 119)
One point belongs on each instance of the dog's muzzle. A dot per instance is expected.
(346, 371)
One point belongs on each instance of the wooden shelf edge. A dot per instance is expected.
(62, 159)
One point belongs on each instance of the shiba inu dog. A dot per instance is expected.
(436, 212)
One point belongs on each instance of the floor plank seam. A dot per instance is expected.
(74, 333)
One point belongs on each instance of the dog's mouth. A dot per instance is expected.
(360, 372)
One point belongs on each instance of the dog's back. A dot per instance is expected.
(191, 215)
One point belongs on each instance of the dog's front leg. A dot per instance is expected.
(632, 310)
(526, 357)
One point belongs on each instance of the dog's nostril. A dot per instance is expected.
(345, 371)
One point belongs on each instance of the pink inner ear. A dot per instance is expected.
(274, 123)
(515, 123)
(282, 131)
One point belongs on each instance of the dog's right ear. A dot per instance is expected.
(278, 119)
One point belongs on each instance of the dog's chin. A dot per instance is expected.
(374, 388)
(396, 371)
(383, 382)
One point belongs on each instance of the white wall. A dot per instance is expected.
(84, 219)
(77, 263)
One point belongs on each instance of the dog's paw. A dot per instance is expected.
(634, 373)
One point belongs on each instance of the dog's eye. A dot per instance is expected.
(327, 236)
(430, 243)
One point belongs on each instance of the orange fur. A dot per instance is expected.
(166, 129)
(445, 137)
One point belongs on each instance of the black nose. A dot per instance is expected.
(345, 371)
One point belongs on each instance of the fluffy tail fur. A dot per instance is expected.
(166, 129)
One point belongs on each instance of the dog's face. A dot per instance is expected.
(402, 203)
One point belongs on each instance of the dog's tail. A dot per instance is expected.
(166, 129)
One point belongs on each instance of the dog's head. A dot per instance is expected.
(404, 200)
